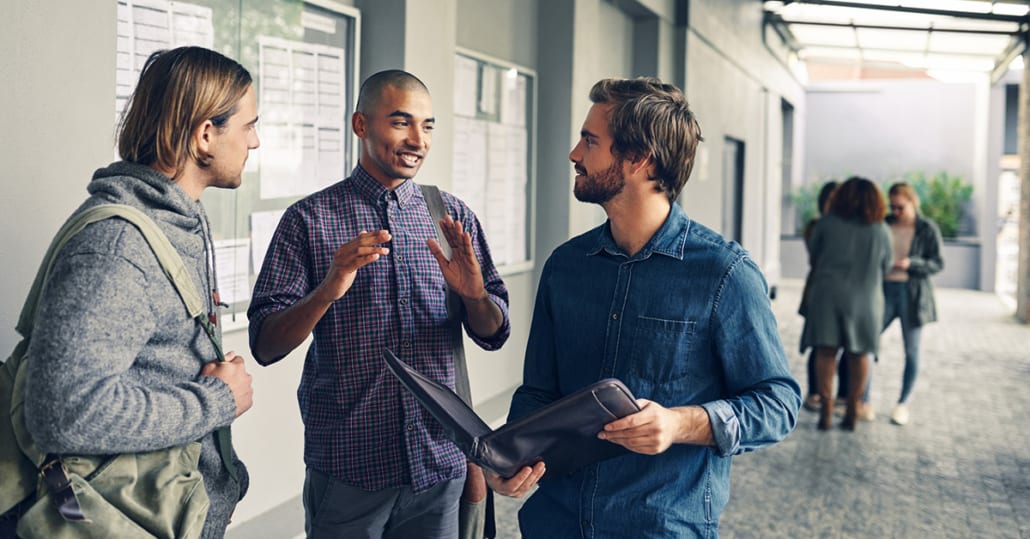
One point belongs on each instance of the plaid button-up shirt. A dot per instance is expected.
(361, 427)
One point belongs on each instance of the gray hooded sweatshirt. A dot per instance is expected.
(115, 359)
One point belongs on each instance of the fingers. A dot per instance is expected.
(234, 374)
(519, 484)
(455, 234)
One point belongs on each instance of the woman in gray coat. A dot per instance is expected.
(850, 252)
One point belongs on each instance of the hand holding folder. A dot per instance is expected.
(563, 434)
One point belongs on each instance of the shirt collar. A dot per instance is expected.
(370, 188)
(670, 240)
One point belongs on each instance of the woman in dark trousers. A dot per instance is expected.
(812, 400)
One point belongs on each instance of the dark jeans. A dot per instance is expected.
(334, 509)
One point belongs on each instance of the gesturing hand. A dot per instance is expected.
(351, 256)
(462, 271)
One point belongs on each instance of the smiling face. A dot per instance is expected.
(395, 134)
(599, 175)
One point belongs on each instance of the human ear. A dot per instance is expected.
(202, 140)
(358, 123)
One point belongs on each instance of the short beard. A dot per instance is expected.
(601, 187)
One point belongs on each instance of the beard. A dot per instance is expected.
(601, 187)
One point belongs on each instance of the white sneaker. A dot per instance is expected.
(900, 415)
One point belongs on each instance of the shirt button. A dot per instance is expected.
(615, 316)
(399, 258)
(406, 344)
(410, 427)
(404, 301)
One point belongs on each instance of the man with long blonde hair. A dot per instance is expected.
(116, 365)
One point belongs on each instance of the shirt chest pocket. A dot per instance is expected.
(661, 349)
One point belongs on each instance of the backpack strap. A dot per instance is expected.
(172, 266)
(167, 256)
(461, 373)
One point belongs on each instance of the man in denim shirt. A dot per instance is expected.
(668, 306)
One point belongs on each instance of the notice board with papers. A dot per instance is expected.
(302, 56)
(495, 152)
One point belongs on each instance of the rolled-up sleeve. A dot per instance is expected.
(763, 397)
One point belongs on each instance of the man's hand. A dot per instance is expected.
(350, 257)
(233, 372)
(655, 428)
(519, 484)
(462, 271)
(903, 264)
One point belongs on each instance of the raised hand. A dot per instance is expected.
(349, 258)
(462, 271)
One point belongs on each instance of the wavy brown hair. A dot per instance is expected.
(858, 199)
(651, 118)
(179, 90)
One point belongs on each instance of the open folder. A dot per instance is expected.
(563, 434)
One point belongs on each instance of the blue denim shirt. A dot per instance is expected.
(685, 321)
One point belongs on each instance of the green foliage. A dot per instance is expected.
(942, 198)
(804, 199)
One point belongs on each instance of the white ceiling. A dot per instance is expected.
(955, 35)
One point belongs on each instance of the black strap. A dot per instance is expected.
(55, 476)
(461, 372)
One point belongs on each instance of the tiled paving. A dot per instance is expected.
(959, 469)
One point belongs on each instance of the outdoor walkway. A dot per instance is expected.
(959, 469)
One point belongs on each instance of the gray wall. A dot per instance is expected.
(882, 129)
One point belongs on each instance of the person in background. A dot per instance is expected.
(850, 251)
(358, 267)
(907, 290)
(812, 400)
(665, 304)
(116, 365)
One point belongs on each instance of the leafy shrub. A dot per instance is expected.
(942, 198)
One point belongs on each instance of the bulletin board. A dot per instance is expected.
(495, 153)
(303, 58)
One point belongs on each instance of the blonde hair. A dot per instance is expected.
(903, 189)
(179, 90)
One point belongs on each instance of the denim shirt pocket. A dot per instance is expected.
(661, 348)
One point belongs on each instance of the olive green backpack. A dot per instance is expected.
(155, 494)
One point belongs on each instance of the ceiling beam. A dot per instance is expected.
(919, 10)
(903, 28)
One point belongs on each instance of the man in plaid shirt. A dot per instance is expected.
(358, 266)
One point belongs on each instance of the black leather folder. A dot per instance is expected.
(563, 434)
